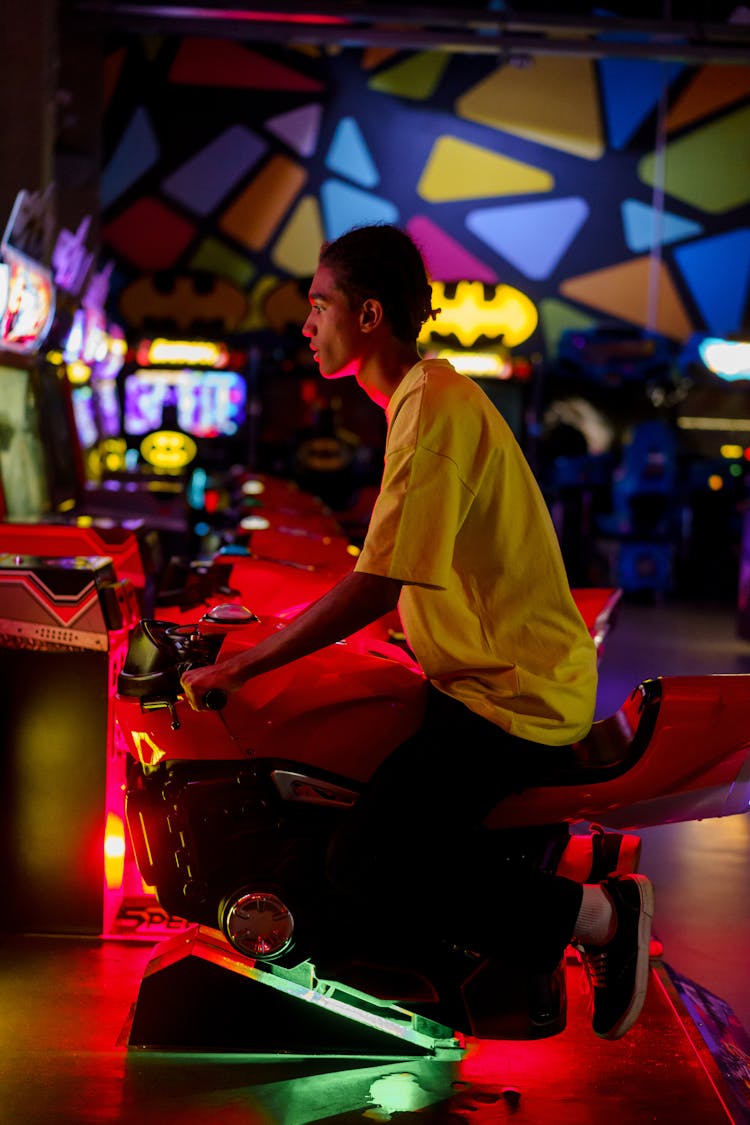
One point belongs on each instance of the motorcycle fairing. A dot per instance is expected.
(694, 765)
(342, 709)
(679, 741)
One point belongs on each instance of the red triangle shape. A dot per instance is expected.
(216, 62)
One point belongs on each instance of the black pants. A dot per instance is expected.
(411, 848)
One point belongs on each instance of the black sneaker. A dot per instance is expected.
(618, 971)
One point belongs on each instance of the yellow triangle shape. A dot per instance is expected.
(456, 169)
(623, 291)
(297, 247)
(554, 102)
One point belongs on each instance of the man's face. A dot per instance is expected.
(332, 328)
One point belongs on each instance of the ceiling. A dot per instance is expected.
(697, 31)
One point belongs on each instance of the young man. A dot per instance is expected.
(461, 541)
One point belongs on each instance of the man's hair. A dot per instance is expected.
(383, 263)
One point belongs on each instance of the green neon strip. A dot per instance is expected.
(284, 981)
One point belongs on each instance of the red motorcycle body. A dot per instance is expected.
(230, 811)
(677, 749)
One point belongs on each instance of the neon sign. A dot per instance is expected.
(729, 359)
(484, 364)
(507, 315)
(182, 353)
(70, 258)
(168, 449)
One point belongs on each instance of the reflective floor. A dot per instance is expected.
(65, 1003)
(64, 1008)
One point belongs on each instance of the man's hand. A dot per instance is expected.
(213, 677)
(355, 601)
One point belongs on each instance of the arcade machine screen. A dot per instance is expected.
(204, 404)
(22, 464)
(188, 424)
(93, 353)
(107, 406)
(107, 410)
(84, 412)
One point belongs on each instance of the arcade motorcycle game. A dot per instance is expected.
(230, 811)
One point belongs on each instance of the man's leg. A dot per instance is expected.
(412, 840)
(405, 842)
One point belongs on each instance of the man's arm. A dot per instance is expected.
(357, 600)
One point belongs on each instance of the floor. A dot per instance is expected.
(64, 1060)
(65, 1003)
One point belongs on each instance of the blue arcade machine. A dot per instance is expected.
(610, 456)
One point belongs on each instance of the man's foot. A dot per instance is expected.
(618, 971)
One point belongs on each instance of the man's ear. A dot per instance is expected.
(371, 315)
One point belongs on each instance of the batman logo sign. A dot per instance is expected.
(474, 310)
(188, 301)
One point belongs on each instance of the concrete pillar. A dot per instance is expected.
(28, 82)
(50, 110)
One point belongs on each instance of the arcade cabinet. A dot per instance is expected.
(64, 627)
(715, 435)
(644, 525)
(65, 617)
(44, 450)
(609, 455)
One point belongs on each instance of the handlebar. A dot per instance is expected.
(158, 653)
(214, 699)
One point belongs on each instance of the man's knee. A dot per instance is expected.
(359, 860)
(346, 865)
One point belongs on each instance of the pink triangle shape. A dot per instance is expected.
(446, 259)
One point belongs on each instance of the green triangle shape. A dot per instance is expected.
(556, 317)
(214, 256)
(417, 77)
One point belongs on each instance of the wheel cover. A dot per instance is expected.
(259, 924)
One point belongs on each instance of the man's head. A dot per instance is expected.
(368, 301)
(383, 264)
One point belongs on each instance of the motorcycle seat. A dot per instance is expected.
(612, 746)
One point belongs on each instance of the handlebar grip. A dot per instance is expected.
(214, 699)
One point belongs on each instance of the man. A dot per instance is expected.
(461, 541)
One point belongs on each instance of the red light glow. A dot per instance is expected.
(114, 851)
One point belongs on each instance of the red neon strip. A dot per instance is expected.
(235, 14)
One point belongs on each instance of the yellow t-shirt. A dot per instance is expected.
(486, 606)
